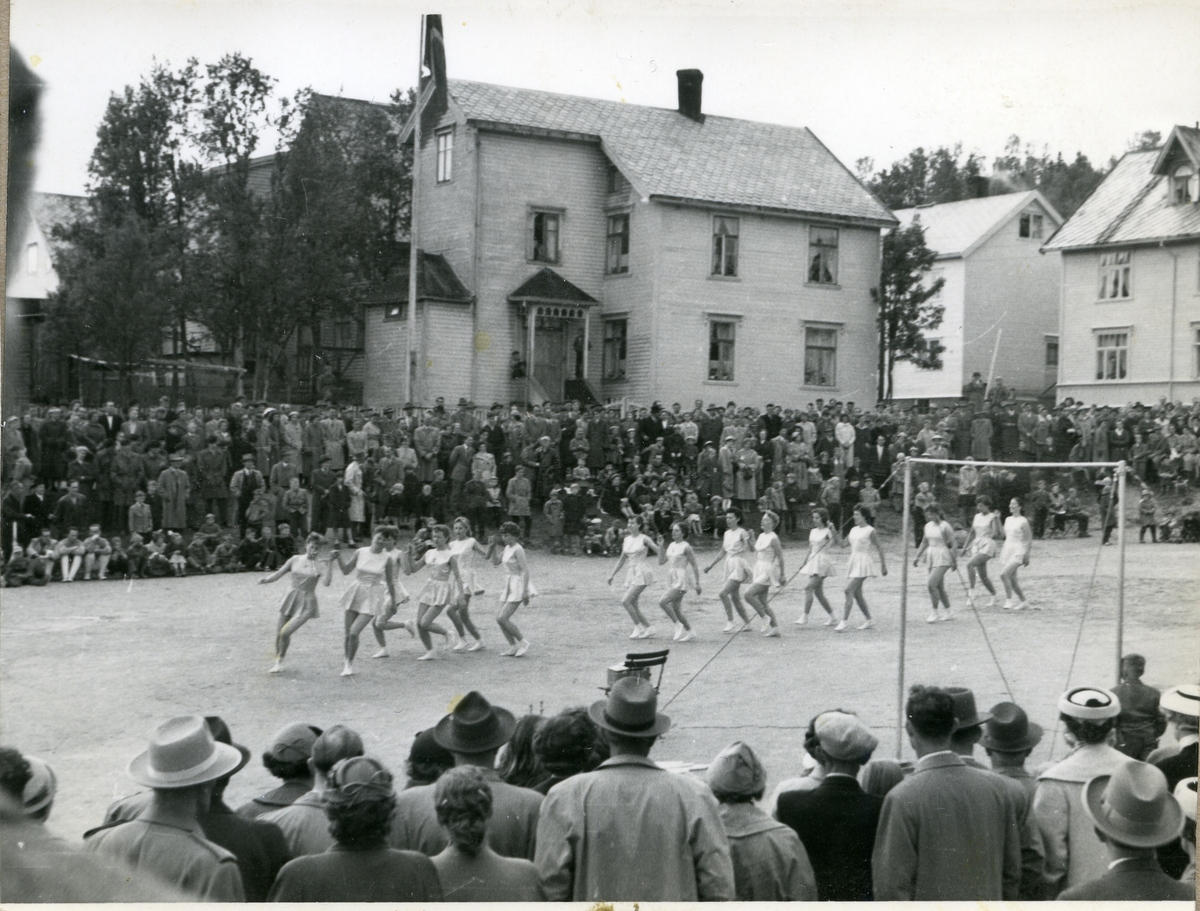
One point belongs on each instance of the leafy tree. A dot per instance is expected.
(905, 311)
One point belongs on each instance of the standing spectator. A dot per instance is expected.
(948, 832)
(519, 494)
(836, 821)
(165, 842)
(212, 466)
(426, 760)
(566, 744)
(630, 830)
(1074, 854)
(1181, 705)
(1185, 794)
(174, 486)
(1009, 737)
(1140, 723)
(358, 806)
(72, 510)
(769, 862)
(242, 486)
(1133, 813)
(287, 759)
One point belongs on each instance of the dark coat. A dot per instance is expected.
(836, 822)
(1136, 879)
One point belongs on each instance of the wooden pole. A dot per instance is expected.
(1120, 564)
(413, 255)
(992, 367)
(906, 521)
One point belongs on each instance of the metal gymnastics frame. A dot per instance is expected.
(1120, 469)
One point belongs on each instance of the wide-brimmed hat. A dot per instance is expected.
(463, 403)
(475, 726)
(1090, 703)
(42, 785)
(1185, 794)
(183, 753)
(630, 710)
(965, 714)
(222, 734)
(294, 742)
(1009, 730)
(1134, 806)
(736, 770)
(1184, 699)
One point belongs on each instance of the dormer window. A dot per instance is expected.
(1030, 225)
(1184, 185)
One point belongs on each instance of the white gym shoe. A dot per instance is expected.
(509, 652)
(803, 620)
(637, 633)
(1009, 604)
(430, 655)
(946, 615)
(646, 633)
(730, 626)
(678, 632)
(1020, 605)
(932, 618)
(688, 635)
(829, 621)
(869, 624)
(459, 644)
(772, 632)
(276, 667)
(476, 646)
(382, 653)
(347, 670)
(522, 648)
(840, 627)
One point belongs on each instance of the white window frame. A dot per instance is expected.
(723, 240)
(616, 262)
(1116, 275)
(531, 248)
(711, 321)
(1184, 185)
(836, 330)
(445, 154)
(616, 350)
(821, 253)
(1031, 225)
(1113, 357)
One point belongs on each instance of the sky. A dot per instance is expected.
(871, 78)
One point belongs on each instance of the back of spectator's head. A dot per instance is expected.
(519, 763)
(1182, 705)
(38, 796)
(1089, 713)
(290, 751)
(334, 745)
(15, 772)
(736, 775)
(881, 775)
(1135, 663)
(359, 799)
(811, 741)
(463, 801)
(222, 734)
(566, 743)
(1185, 793)
(844, 738)
(427, 760)
(930, 712)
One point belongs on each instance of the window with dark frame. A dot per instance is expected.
(1183, 185)
(395, 311)
(618, 244)
(1115, 273)
(1112, 350)
(1196, 351)
(445, 155)
(725, 246)
(615, 182)
(1051, 352)
(822, 256)
(543, 237)
(614, 348)
(1031, 225)
(820, 356)
(721, 337)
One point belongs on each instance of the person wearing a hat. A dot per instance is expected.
(165, 841)
(357, 807)
(968, 725)
(473, 732)
(769, 862)
(836, 821)
(1181, 707)
(303, 822)
(242, 486)
(948, 832)
(1185, 794)
(1133, 812)
(1073, 853)
(629, 830)
(1008, 738)
(286, 759)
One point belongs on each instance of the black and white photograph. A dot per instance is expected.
(621, 453)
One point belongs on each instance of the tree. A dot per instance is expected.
(905, 311)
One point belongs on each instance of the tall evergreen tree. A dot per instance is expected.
(905, 310)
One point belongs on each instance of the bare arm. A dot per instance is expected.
(457, 575)
(279, 573)
(346, 567)
(874, 539)
(650, 544)
(690, 556)
(621, 561)
(521, 562)
(777, 549)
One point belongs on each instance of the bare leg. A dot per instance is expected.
(731, 599)
(512, 633)
(464, 614)
(978, 565)
(756, 597)
(355, 624)
(630, 603)
(817, 585)
(668, 604)
(455, 617)
(426, 615)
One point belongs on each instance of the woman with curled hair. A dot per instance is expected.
(518, 763)
(427, 760)
(635, 551)
(567, 744)
(468, 868)
(817, 564)
(736, 546)
(360, 867)
(768, 570)
(517, 587)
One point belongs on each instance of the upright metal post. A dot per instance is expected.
(1120, 564)
(905, 522)
(411, 322)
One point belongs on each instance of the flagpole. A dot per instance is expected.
(413, 259)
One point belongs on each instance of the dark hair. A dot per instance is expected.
(735, 512)
(284, 769)
(427, 759)
(334, 745)
(930, 711)
(682, 526)
(462, 799)
(566, 743)
(388, 531)
(725, 797)
(984, 501)
(1136, 661)
(511, 528)
(1088, 732)
(520, 766)
(822, 513)
(440, 529)
(934, 509)
(15, 772)
(360, 815)
(314, 537)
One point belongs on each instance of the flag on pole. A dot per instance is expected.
(435, 62)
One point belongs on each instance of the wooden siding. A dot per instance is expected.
(909, 382)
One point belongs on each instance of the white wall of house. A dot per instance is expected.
(910, 382)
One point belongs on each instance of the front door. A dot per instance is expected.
(550, 355)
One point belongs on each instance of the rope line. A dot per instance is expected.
(986, 638)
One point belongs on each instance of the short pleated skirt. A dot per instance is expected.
(988, 546)
(367, 596)
(766, 572)
(438, 593)
(639, 574)
(297, 602)
(818, 565)
(515, 590)
(1011, 555)
(862, 566)
(937, 555)
(677, 579)
(738, 568)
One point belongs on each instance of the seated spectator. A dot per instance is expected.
(20, 571)
(209, 531)
(836, 821)
(286, 759)
(251, 554)
(518, 762)
(769, 862)
(198, 557)
(96, 554)
(427, 760)
(224, 558)
(176, 553)
(358, 805)
(468, 869)
(118, 560)
(69, 552)
(158, 563)
(1133, 813)
(138, 556)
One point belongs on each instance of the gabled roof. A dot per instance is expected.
(959, 228)
(666, 155)
(1130, 206)
(436, 280)
(548, 287)
(1186, 140)
(50, 210)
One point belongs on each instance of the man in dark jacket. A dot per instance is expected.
(836, 821)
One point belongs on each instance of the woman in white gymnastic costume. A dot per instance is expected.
(735, 551)
(818, 563)
(635, 550)
(866, 562)
(1018, 539)
(982, 545)
(682, 568)
(937, 550)
(768, 571)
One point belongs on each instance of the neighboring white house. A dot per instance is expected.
(1130, 313)
(998, 287)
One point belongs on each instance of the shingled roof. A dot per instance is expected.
(436, 280)
(52, 210)
(1129, 206)
(547, 286)
(665, 155)
(957, 228)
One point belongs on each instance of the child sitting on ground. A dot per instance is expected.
(176, 553)
(224, 558)
(19, 571)
(97, 553)
(137, 556)
(250, 553)
(118, 560)
(197, 555)
(158, 564)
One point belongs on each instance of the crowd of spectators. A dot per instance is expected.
(174, 490)
(572, 807)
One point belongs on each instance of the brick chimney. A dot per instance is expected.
(690, 82)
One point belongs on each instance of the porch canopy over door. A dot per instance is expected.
(553, 306)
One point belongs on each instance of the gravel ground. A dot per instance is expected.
(87, 671)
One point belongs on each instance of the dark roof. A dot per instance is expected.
(51, 210)
(547, 286)
(436, 280)
(667, 155)
(1131, 205)
(1187, 141)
